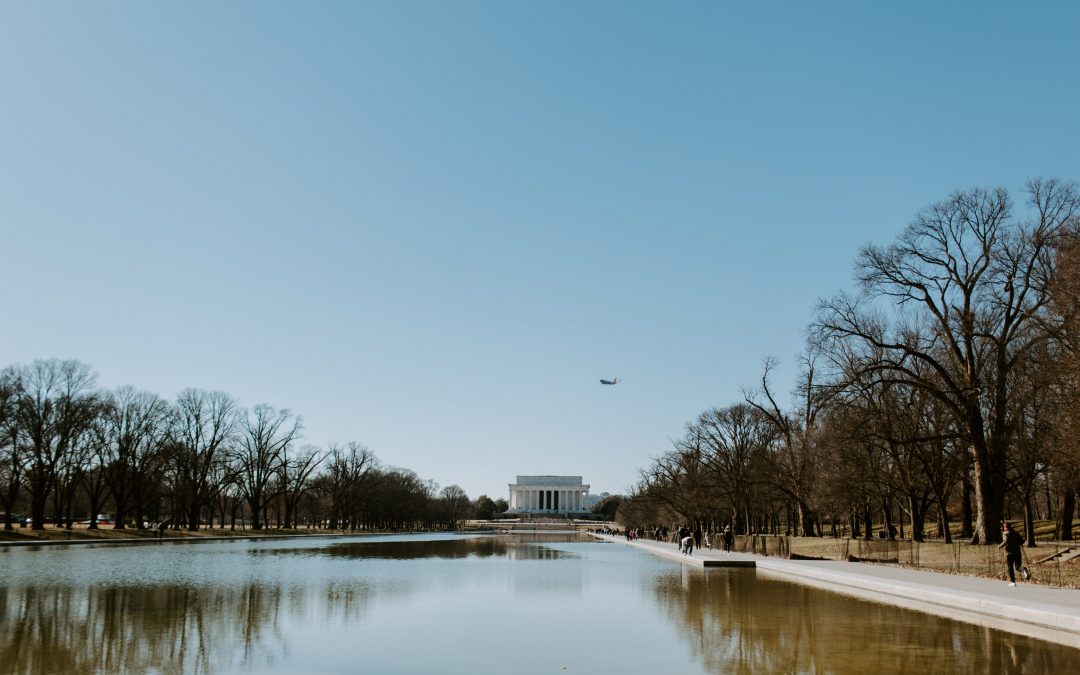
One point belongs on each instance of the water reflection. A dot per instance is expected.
(738, 623)
(114, 629)
(514, 548)
(441, 605)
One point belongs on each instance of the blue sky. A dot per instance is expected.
(431, 227)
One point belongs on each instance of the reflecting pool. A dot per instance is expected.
(476, 605)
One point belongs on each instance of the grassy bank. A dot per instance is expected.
(83, 532)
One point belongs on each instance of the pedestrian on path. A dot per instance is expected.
(1011, 542)
(729, 538)
(687, 545)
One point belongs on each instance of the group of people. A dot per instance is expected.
(687, 540)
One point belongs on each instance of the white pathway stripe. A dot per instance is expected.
(1043, 612)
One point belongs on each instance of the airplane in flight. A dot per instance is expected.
(615, 381)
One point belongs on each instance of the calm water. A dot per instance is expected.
(455, 604)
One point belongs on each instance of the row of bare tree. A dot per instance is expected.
(947, 388)
(68, 449)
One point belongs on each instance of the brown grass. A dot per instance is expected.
(955, 558)
(107, 533)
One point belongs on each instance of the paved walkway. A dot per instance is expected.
(1043, 612)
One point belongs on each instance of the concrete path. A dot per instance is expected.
(1043, 612)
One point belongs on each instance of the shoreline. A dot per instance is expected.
(133, 536)
(1044, 612)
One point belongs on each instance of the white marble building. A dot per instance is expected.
(542, 495)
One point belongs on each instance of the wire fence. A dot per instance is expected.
(1051, 563)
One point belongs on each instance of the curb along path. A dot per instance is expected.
(1042, 612)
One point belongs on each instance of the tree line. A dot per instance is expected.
(945, 390)
(69, 449)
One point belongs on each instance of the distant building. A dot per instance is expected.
(546, 495)
(593, 500)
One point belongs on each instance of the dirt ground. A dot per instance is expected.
(1049, 562)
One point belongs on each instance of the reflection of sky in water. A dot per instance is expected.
(455, 604)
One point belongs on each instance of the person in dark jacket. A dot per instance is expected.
(1011, 542)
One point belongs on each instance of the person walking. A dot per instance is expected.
(1011, 542)
(729, 538)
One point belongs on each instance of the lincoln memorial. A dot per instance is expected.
(548, 494)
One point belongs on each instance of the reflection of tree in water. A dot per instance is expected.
(177, 627)
(164, 629)
(516, 547)
(737, 623)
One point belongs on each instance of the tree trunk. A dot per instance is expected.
(941, 499)
(256, 513)
(1029, 522)
(943, 522)
(37, 509)
(1065, 514)
(193, 514)
(989, 489)
(886, 515)
(806, 519)
(966, 529)
(917, 518)
(289, 519)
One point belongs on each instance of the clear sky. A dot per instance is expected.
(432, 227)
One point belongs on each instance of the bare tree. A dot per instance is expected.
(135, 426)
(795, 456)
(204, 426)
(972, 281)
(265, 435)
(349, 475)
(296, 471)
(678, 481)
(56, 403)
(1065, 293)
(12, 456)
(1032, 453)
(738, 438)
(456, 503)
